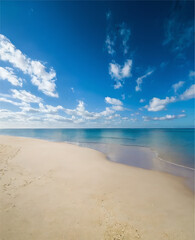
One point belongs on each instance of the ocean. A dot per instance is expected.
(168, 150)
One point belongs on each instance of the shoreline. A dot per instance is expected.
(187, 177)
(174, 169)
(82, 195)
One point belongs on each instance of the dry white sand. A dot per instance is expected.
(61, 191)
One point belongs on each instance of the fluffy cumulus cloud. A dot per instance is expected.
(189, 93)
(139, 80)
(157, 104)
(166, 117)
(119, 73)
(45, 115)
(177, 86)
(7, 73)
(40, 77)
(108, 113)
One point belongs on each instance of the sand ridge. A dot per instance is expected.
(61, 191)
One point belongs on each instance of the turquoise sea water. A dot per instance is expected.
(172, 145)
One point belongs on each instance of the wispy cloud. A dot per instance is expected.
(8, 74)
(142, 100)
(113, 101)
(166, 117)
(118, 108)
(177, 86)
(139, 80)
(189, 93)
(25, 96)
(110, 35)
(2, 99)
(40, 77)
(125, 33)
(42, 109)
(110, 42)
(123, 96)
(119, 73)
(178, 31)
(192, 75)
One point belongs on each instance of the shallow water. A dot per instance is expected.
(173, 145)
(142, 157)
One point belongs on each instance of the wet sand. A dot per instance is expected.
(60, 191)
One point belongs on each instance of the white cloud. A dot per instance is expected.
(177, 86)
(192, 74)
(113, 101)
(133, 119)
(40, 77)
(118, 108)
(125, 34)
(106, 112)
(42, 109)
(113, 116)
(167, 117)
(123, 96)
(118, 72)
(125, 118)
(136, 113)
(12, 102)
(56, 117)
(142, 100)
(110, 45)
(157, 104)
(189, 93)
(7, 73)
(117, 85)
(117, 104)
(7, 115)
(139, 80)
(108, 14)
(25, 96)
(72, 89)
(84, 114)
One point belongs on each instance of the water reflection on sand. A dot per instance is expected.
(142, 157)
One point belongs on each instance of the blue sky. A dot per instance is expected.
(96, 64)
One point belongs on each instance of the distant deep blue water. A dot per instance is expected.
(173, 145)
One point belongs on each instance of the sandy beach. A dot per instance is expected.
(56, 191)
